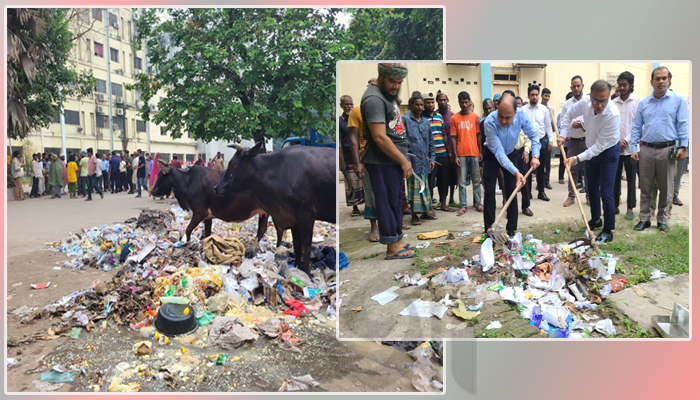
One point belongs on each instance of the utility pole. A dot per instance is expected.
(148, 124)
(63, 124)
(109, 79)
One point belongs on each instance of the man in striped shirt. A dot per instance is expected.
(441, 172)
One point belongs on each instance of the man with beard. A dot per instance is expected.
(627, 103)
(385, 155)
(542, 122)
(501, 129)
(576, 138)
(602, 122)
(660, 121)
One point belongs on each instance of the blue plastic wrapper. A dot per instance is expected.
(536, 317)
(344, 263)
(56, 377)
(560, 333)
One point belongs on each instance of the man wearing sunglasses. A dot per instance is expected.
(602, 121)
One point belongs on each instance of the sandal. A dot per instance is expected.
(480, 209)
(374, 237)
(415, 221)
(448, 209)
(431, 215)
(398, 256)
(406, 227)
(408, 246)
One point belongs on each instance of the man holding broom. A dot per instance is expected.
(602, 121)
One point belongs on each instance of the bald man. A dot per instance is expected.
(501, 129)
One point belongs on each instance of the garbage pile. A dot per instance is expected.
(556, 287)
(211, 286)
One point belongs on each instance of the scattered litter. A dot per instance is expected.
(656, 274)
(465, 233)
(425, 309)
(11, 362)
(297, 383)
(75, 333)
(432, 235)
(45, 386)
(386, 296)
(41, 285)
(56, 377)
(423, 245)
(605, 327)
(356, 309)
(494, 325)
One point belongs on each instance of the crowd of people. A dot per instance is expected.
(86, 172)
(393, 162)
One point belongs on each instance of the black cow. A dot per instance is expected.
(194, 191)
(295, 185)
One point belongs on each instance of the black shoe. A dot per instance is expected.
(617, 211)
(595, 224)
(88, 199)
(662, 227)
(530, 196)
(528, 212)
(579, 186)
(102, 196)
(677, 201)
(543, 196)
(548, 186)
(583, 190)
(642, 225)
(604, 237)
(510, 233)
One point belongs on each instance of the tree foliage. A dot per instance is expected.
(237, 74)
(38, 64)
(397, 34)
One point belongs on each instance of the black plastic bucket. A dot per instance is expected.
(172, 320)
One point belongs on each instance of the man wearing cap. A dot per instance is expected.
(602, 122)
(385, 155)
(660, 121)
(502, 129)
(354, 195)
(83, 178)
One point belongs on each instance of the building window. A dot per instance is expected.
(162, 131)
(97, 14)
(114, 54)
(137, 95)
(140, 126)
(72, 117)
(99, 50)
(138, 63)
(190, 158)
(102, 121)
(119, 122)
(116, 89)
(101, 86)
(113, 20)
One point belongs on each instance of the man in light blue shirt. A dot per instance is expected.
(660, 121)
(501, 129)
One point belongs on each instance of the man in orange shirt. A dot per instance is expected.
(464, 129)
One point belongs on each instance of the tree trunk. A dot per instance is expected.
(259, 136)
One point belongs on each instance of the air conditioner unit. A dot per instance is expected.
(119, 71)
(139, 104)
(120, 111)
(154, 107)
(100, 97)
(80, 129)
(100, 110)
(137, 71)
(115, 127)
(120, 100)
(119, 37)
(98, 134)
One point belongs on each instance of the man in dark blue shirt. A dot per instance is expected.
(115, 177)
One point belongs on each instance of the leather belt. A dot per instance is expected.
(576, 139)
(659, 145)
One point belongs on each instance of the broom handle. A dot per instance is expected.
(512, 196)
(571, 181)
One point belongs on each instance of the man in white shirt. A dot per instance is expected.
(602, 122)
(544, 99)
(627, 103)
(576, 138)
(542, 122)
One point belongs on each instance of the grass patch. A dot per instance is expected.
(371, 256)
(491, 333)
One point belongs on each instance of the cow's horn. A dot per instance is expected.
(236, 146)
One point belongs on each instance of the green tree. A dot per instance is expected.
(397, 34)
(38, 64)
(241, 73)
